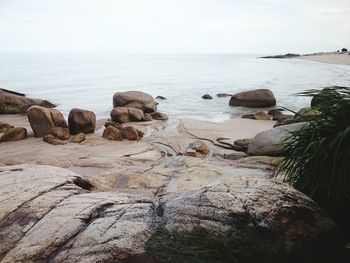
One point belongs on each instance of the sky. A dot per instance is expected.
(177, 26)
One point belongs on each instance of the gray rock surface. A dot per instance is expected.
(50, 214)
(269, 142)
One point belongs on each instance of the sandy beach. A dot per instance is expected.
(331, 58)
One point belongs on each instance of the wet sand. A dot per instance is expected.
(332, 58)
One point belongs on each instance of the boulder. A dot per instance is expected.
(112, 133)
(14, 134)
(159, 116)
(258, 98)
(147, 117)
(125, 114)
(53, 140)
(80, 120)
(303, 115)
(52, 213)
(12, 103)
(259, 115)
(46, 121)
(207, 97)
(199, 146)
(269, 142)
(130, 133)
(160, 97)
(4, 127)
(275, 113)
(135, 99)
(322, 96)
(114, 124)
(79, 138)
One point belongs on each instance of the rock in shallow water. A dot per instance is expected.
(255, 99)
(49, 214)
(135, 99)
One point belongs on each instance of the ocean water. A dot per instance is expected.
(89, 80)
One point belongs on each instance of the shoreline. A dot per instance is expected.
(329, 58)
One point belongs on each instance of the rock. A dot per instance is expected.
(112, 133)
(288, 55)
(242, 142)
(51, 213)
(223, 95)
(260, 115)
(159, 116)
(207, 97)
(130, 133)
(79, 138)
(160, 98)
(14, 134)
(231, 155)
(254, 99)
(147, 117)
(269, 142)
(10, 103)
(135, 99)
(114, 124)
(322, 96)
(124, 115)
(4, 127)
(46, 121)
(135, 114)
(53, 140)
(80, 120)
(199, 146)
(303, 115)
(276, 114)
(140, 133)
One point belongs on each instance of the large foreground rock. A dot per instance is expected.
(11, 103)
(269, 142)
(80, 120)
(258, 98)
(135, 99)
(50, 214)
(47, 121)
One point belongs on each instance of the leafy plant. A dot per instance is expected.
(318, 155)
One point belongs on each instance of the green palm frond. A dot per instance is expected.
(318, 155)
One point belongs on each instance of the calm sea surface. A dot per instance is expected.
(89, 80)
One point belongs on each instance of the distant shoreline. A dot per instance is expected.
(340, 58)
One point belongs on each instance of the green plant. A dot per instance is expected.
(318, 155)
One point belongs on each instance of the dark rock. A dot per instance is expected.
(322, 96)
(130, 133)
(11, 103)
(80, 120)
(112, 133)
(14, 134)
(147, 117)
(114, 124)
(124, 115)
(46, 121)
(207, 97)
(160, 98)
(254, 99)
(275, 113)
(135, 99)
(288, 55)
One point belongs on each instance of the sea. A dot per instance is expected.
(89, 80)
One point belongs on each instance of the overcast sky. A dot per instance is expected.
(176, 26)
